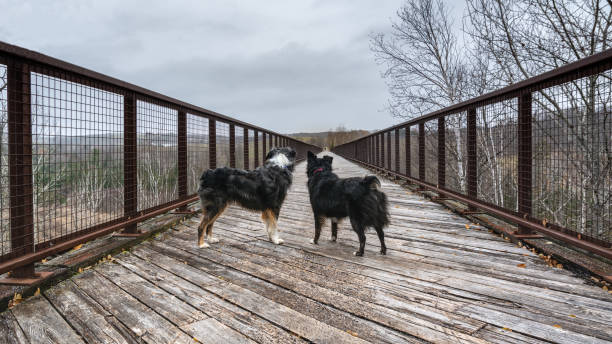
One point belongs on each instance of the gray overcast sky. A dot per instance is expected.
(285, 65)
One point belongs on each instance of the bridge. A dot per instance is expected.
(490, 239)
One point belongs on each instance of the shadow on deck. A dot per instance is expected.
(444, 280)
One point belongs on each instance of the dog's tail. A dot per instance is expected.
(371, 182)
(374, 203)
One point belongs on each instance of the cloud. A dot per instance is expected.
(286, 65)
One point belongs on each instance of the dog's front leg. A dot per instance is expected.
(269, 218)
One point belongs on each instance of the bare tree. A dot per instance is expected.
(426, 68)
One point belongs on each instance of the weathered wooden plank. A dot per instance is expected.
(367, 330)
(213, 332)
(188, 287)
(92, 321)
(414, 326)
(10, 332)
(167, 305)
(146, 324)
(42, 324)
(390, 287)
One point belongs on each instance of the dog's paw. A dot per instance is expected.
(204, 245)
(358, 253)
(213, 240)
(312, 241)
(278, 241)
(383, 251)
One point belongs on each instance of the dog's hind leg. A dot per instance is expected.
(209, 229)
(318, 223)
(269, 218)
(381, 237)
(360, 230)
(334, 227)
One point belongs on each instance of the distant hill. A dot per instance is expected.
(330, 139)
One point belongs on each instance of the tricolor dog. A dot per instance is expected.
(263, 190)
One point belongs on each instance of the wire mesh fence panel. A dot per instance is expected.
(77, 156)
(431, 151)
(239, 135)
(414, 151)
(197, 151)
(157, 137)
(496, 133)
(456, 151)
(223, 149)
(5, 235)
(572, 156)
(251, 150)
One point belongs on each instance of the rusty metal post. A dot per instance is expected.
(245, 147)
(232, 145)
(130, 161)
(397, 152)
(376, 151)
(524, 159)
(389, 150)
(20, 170)
(182, 156)
(372, 150)
(422, 151)
(408, 169)
(256, 148)
(383, 161)
(472, 157)
(264, 149)
(441, 152)
(212, 143)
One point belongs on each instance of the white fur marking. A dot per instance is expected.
(280, 160)
(212, 240)
(204, 245)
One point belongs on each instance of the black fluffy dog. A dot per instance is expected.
(356, 198)
(263, 189)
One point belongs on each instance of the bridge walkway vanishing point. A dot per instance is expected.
(444, 280)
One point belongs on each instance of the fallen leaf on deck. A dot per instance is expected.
(44, 260)
(352, 333)
(37, 292)
(521, 265)
(557, 326)
(77, 247)
(572, 316)
(506, 329)
(467, 226)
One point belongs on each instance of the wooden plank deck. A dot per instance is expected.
(440, 282)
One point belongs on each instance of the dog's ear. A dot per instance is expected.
(269, 155)
(311, 155)
(328, 158)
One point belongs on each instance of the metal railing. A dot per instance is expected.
(537, 153)
(83, 154)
